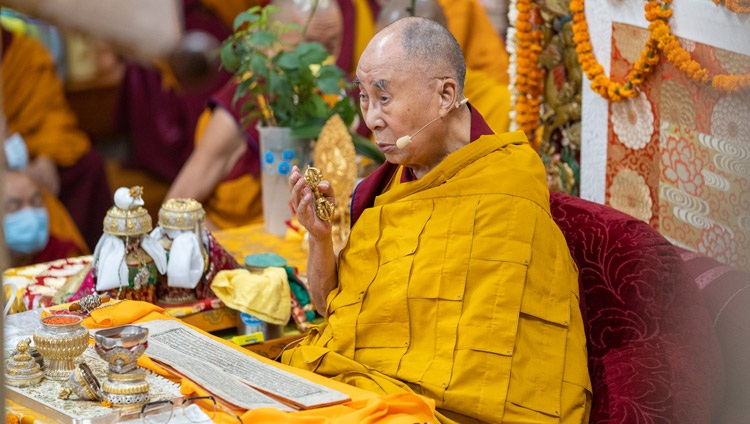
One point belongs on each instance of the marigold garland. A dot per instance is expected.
(682, 60)
(529, 75)
(649, 57)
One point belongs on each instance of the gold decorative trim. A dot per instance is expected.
(121, 389)
(180, 214)
(119, 222)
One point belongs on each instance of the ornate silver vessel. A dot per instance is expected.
(121, 347)
(21, 369)
(60, 340)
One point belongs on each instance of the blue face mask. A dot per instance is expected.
(27, 230)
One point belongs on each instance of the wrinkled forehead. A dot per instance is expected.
(19, 187)
(385, 59)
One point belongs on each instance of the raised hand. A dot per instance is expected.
(304, 203)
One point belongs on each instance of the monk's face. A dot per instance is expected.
(326, 27)
(397, 98)
(21, 192)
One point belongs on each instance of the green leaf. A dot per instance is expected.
(330, 71)
(329, 85)
(262, 38)
(249, 16)
(311, 53)
(311, 131)
(320, 106)
(367, 148)
(345, 109)
(229, 60)
(288, 61)
(258, 66)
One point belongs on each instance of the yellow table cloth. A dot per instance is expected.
(242, 241)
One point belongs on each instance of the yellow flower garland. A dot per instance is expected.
(600, 83)
(660, 39)
(680, 58)
(529, 76)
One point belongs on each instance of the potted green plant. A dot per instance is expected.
(291, 91)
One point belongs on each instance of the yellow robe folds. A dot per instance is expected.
(459, 286)
(483, 48)
(41, 116)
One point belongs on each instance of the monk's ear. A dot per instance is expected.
(448, 95)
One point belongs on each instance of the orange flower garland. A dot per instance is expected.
(600, 83)
(529, 76)
(681, 59)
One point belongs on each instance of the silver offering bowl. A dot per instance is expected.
(121, 346)
(60, 340)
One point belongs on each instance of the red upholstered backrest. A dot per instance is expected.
(653, 354)
(726, 292)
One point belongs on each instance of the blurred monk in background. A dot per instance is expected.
(28, 224)
(60, 156)
(223, 172)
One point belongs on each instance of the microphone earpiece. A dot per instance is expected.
(404, 141)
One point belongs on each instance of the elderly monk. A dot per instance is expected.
(488, 96)
(223, 172)
(26, 224)
(61, 158)
(455, 282)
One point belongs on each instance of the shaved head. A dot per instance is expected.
(427, 47)
(394, 10)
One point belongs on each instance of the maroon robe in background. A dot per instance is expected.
(85, 192)
(57, 249)
(346, 61)
(161, 122)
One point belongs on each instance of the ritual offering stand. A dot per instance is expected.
(121, 347)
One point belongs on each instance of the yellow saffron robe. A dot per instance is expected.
(490, 97)
(460, 287)
(41, 116)
(483, 48)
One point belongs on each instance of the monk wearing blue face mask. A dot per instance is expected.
(26, 224)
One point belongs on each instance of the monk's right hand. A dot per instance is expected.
(303, 201)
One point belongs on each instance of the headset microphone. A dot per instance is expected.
(404, 141)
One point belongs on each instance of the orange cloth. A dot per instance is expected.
(61, 225)
(41, 116)
(120, 313)
(365, 406)
(483, 48)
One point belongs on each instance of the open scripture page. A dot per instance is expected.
(228, 373)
